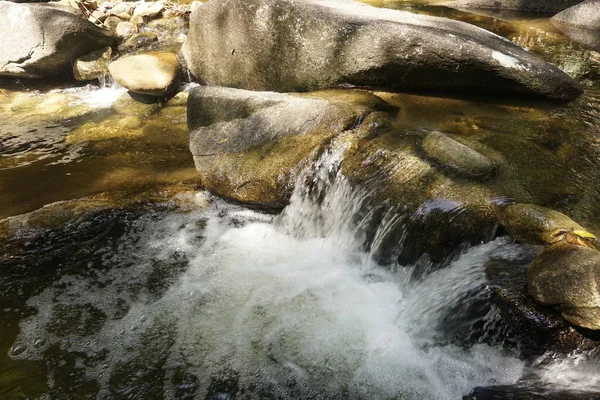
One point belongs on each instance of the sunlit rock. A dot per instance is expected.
(249, 146)
(585, 14)
(149, 10)
(299, 45)
(581, 23)
(154, 74)
(566, 277)
(126, 29)
(41, 41)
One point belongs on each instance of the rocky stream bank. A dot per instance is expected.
(455, 131)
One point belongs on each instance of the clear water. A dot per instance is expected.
(223, 302)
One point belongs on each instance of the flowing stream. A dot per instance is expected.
(193, 297)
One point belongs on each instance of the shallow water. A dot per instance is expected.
(223, 302)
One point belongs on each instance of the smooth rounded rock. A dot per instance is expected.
(155, 74)
(584, 15)
(567, 277)
(532, 224)
(40, 41)
(304, 45)
(456, 156)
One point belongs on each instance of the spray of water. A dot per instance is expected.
(226, 300)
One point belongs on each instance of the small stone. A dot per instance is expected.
(98, 16)
(111, 22)
(124, 16)
(155, 74)
(126, 29)
(125, 7)
(533, 224)
(567, 277)
(452, 154)
(139, 40)
(93, 65)
(149, 10)
(137, 19)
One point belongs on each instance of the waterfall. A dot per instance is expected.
(226, 301)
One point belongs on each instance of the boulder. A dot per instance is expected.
(457, 157)
(533, 224)
(154, 74)
(584, 15)
(566, 277)
(93, 65)
(303, 45)
(543, 6)
(249, 146)
(42, 41)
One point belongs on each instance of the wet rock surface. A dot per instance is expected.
(539, 328)
(533, 224)
(42, 41)
(456, 156)
(296, 45)
(566, 277)
(248, 146)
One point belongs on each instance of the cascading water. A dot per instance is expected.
(227, 301)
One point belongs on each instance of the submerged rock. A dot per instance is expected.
(516, 5)
(42, 41)
(139, 40)
(566, 277)
(249, 146)
(456, 156)
(299, 45)
(533, 224)
(93, 65)
(154, 74)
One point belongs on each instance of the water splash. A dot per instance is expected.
(226, 300)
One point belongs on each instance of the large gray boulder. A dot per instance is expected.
(544, 6)
(303, 45)
(249, 146)
(40, 41)
(585, 15)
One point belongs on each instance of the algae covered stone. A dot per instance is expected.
(534, 224)
(93, 65)
(567, 277)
